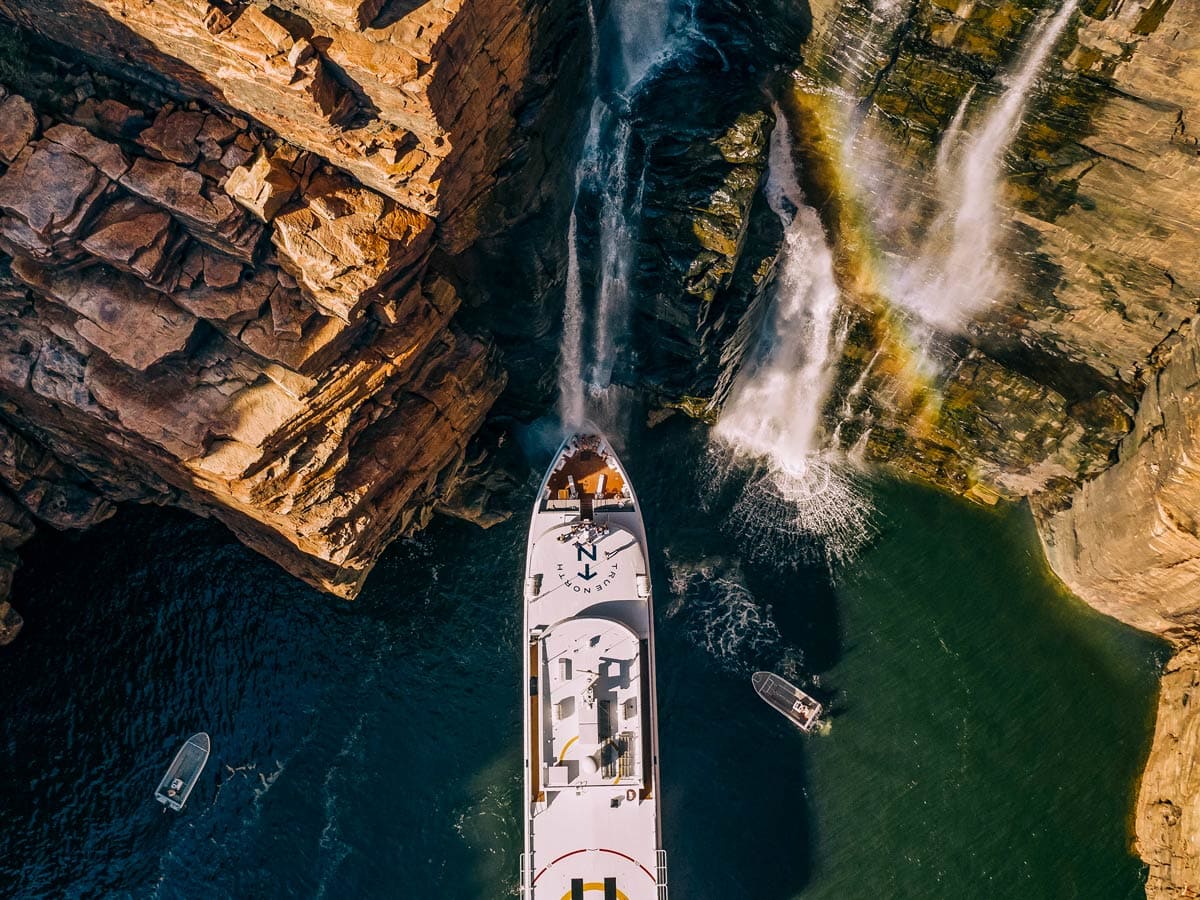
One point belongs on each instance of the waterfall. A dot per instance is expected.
(774, 408)
(642, 36)
(570, 371)
(773, 415)
(572, 376)
(643, 41)
(772, 424)
(958, 271)
(619, 215)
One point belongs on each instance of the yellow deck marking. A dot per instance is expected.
(567, 746)
(596, 886)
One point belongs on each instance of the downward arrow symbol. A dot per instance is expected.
(587, 574)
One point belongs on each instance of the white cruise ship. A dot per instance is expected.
(592, 824)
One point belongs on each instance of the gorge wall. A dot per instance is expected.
(260, 260)
(230, 236)
(1075, 384)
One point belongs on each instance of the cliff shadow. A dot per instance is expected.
(735, 774)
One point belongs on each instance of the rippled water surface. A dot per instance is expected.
(986, 730)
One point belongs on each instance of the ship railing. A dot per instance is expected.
(524, 875)
(660, 880)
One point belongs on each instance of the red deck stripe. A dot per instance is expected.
(600, 850)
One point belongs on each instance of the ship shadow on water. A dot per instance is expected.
(737, 814)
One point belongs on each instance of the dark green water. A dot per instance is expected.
(986, 733)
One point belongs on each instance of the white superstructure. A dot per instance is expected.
(592, 829)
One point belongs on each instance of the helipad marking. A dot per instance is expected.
(596, 886)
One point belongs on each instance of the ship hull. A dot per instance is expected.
(591, 796)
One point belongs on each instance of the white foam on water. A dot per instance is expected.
(821, 515)
(345, 768)
(720, 615)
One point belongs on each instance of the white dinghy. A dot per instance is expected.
(176, 786)
(788, 700)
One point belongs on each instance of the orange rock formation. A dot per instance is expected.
(226, 302)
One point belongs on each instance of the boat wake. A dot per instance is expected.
(720, 615)
(344, 771)
(486, 823)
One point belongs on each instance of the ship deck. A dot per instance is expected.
(591, 472)
(592, 828)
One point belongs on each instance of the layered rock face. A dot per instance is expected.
(413, 100)
(1034, 393)
(241, 317)
(1167, 817)
(1095, 204)
(1078, 385)
(1129, 543)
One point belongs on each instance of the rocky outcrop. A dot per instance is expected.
(1097, 206)
(1167, 818)
(706, 245)
(1078, 386)
(177, 347)
(416, 101)
(218, 287)
(1129, 543)
(1092, 285)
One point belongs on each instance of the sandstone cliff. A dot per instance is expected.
(218, 287)
(1078, 386)
(1167, 818)
(1129, 543)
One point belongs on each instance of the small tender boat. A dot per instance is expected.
(184, 772)
(787, 699)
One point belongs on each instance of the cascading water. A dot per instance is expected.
(596, 319)
(570, 370)
(643, 34)
(773, 415)
(619, 214)
(774, 408)
(958, 271)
